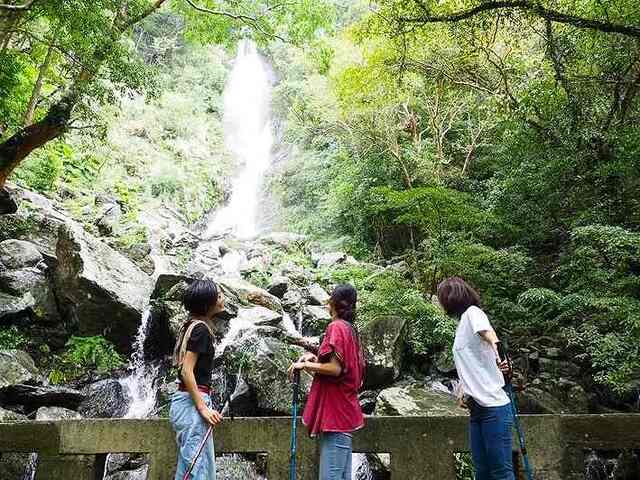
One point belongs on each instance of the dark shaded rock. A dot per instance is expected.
(383, 341)
(315, 320)
(7, 203)
(279, 286)
(558, 368)
(41, 396)
(170, 286)
(16, 367)
(16, 254)
(92, 280)
(368, 400)
(104, 399)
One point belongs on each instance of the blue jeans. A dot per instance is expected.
(190, 431)
(335, 456)
(491, 437)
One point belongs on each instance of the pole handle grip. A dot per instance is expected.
(502, 354)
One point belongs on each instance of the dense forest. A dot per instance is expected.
(494, 140)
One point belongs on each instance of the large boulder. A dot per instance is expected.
(9, 416)
(101, 291)
(316, 295)
(36, 221)
(263, 362)
(416, 400)
(250, 294)
(16, 367)
(260, 316)
(41, 396)
(28, 293)
(104, 399)
(383, 341)
(16, 254)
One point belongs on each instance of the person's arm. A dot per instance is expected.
(492, 339)
(189, 381)
(332, 368)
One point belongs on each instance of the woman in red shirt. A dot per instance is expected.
(333, 411)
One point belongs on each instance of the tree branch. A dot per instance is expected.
(531, 7)
(17, 8)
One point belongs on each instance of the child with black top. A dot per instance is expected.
(191, 409)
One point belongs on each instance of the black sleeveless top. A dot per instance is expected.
(201, 343)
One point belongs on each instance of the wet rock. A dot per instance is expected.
(278, 286)
(41, 396)
(266, 373)
(16, 254)
(314, 320)
(57, 413)
(170, 286)
(104, 399)
(16, 367)
(368, 400)
(250, 294)
(7, 203)
(92, 279)
(292, 300)
(383, 340)
(416, 400)
(316, 295)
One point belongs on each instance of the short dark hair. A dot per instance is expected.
(200, 296)
(344, 298)
(456, 296)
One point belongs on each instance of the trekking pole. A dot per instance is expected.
(200, 448)
(294, 425)
(514, 409)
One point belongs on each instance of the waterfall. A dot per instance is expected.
(360, 468)
(140, 385)
(249, 136)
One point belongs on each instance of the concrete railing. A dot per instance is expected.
(421, 448)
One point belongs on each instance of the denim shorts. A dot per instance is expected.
(335, 456)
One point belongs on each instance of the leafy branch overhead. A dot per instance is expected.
(423, 12)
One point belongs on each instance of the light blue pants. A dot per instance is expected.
(335, 456)
(190, 430)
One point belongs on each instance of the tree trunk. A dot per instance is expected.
(20, 145)
(37, 88)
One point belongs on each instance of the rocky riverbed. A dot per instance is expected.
(57, 280)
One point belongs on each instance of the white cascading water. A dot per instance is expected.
(249, 136)
(140, 385)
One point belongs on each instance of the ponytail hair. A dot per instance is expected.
(343, 301)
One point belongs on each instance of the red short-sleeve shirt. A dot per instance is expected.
(333, 404)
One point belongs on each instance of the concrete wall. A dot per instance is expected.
(421, 448)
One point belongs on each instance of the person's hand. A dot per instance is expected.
(504, 366)
(308, 357)
(295, 366)
(462, 403)
(212, 417)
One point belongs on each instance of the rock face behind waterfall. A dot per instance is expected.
(102, 292)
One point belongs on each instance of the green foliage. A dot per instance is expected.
(42, 170)
(84, 354)
(11, 338)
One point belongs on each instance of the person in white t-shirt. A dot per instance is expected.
(482, 383)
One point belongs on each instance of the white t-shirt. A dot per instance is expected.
(476, 361)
